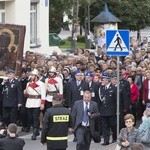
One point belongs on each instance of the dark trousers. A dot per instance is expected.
(24, 116)
(33, 117)
(83, 136)
(9, 115)
(109, 123)
(48, 105)
(121, 120)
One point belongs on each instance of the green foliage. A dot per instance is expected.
(81, 39)
(69, 38)
(56, 12)
(63, 42)
(134, 14)
(67, 44)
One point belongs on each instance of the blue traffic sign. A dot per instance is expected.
(117, 42)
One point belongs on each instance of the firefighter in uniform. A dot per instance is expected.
(57, 121)
(35, 92)
(54, 85)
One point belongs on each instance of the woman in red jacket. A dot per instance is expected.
(134, 95)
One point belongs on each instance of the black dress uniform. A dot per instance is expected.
(12, 96)
(76, 91)
(23, 110)
(108, 107)
(124, 98)
(57, 120)
(66, 82)
(93, 87)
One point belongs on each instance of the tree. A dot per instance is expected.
(84, 15)
(134, 14)
(56, 13)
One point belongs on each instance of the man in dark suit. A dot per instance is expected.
(66, 80)
(92, 86)
(83, 114)
(108, 103)
(12, 97)
(124, 100)
(76, 88)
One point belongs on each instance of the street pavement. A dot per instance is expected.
(36, 145)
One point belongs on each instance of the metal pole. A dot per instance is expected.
(118, 113)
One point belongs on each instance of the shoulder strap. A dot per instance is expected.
(56, 88)
(34, 90)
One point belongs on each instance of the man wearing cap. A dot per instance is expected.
(35, 92)
(57, 121)
(12, 97)
(92, 85)
(53, 86)
(84, 113)
(76, 87)
(108, 99)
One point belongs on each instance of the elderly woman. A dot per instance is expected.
(144, 127)
(129, 135)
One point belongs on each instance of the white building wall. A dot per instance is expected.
(18, 12)
(42, 26)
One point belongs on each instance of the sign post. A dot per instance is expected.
(117, 44)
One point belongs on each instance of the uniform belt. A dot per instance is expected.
(57, 138)
(52, 92)
(34, 96)
(88, 127)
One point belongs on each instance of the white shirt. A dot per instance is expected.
(107, 86)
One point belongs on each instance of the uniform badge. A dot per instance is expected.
(81, 92)
(93, 94)
(12, 85)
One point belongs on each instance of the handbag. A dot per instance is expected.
(118, 147)
(96, 137)
(145, 138)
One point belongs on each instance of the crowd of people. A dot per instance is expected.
(83, 75)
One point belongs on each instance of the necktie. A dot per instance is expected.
(78, 83)
(85, 114)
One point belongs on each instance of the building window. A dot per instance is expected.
(2, 12)
(33, 25)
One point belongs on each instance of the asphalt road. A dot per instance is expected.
(36, 145)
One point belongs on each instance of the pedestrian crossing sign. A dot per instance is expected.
(117, 42)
